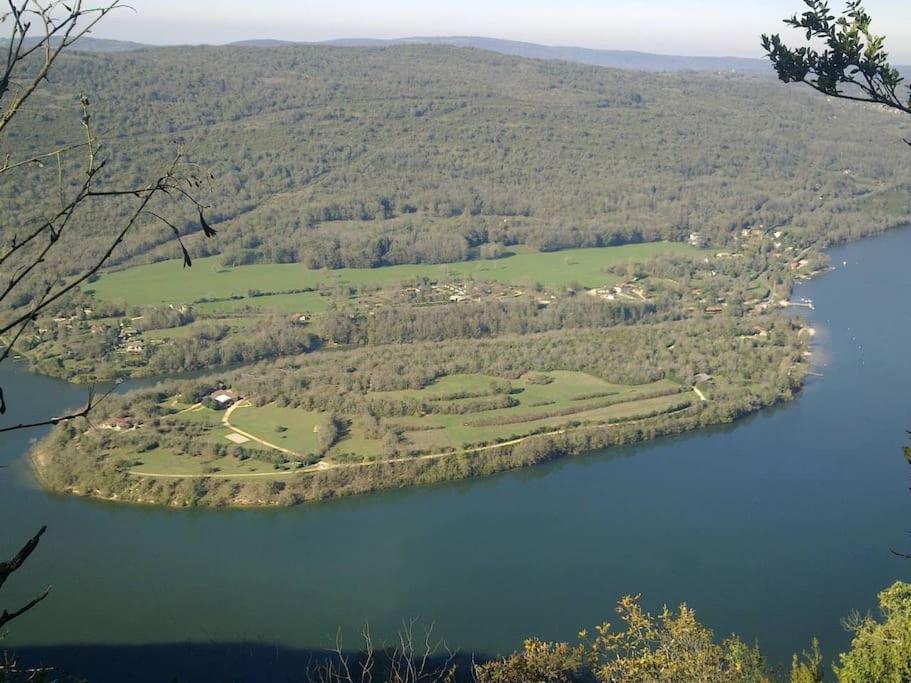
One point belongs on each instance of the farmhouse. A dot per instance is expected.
(224, 397)
(119, 424)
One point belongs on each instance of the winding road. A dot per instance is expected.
(226, 421)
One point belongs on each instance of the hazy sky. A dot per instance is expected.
(697, 27)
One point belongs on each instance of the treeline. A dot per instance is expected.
(213, 345)
(637, 354)
(476, 320)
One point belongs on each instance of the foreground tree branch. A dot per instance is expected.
(39, 31)
(24, 260)
(7, 569)
(853, 63)
(853, 58)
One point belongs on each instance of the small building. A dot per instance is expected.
(119, 424)
(224, 398)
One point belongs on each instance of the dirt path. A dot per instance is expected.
(239, 475)
(700, 394)
(324, 466)
(226, 421)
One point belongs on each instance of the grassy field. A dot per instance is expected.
(478, 385)
(165, 462)
(356, 447)
(568, 397)
(169, 282)
(539, 404)
(299, 426)
(545, 402)
(305, 302)
(198, 414)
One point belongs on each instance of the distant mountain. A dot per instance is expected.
(263, 42)
(87, 44)
(617, 59)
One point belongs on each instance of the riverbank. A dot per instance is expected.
(338, 481)
(489, 425)
(814, 490)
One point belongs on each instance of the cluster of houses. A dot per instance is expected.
(129, 339)
(697, 240)
(463, 292)
(221, 397)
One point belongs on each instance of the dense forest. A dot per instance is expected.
(337, 157)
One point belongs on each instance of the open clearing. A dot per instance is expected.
(449, 419)
(167, 463)
(169, 282)
(296, 430)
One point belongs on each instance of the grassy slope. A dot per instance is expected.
(168, 282)
(166, 462)
(300, 435)
(427, 433)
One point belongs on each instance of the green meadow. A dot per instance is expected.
(544, 402)
(166, 462)
(169, 282)
(296, 430)
(567, 398)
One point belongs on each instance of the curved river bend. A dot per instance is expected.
(776, 527)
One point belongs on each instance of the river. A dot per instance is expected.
(776, 528)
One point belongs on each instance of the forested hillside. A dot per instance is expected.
(540, 337)
(354, 157)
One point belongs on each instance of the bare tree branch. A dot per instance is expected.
(6, 617)
(7, 569)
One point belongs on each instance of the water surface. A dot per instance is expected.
(776, 528)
